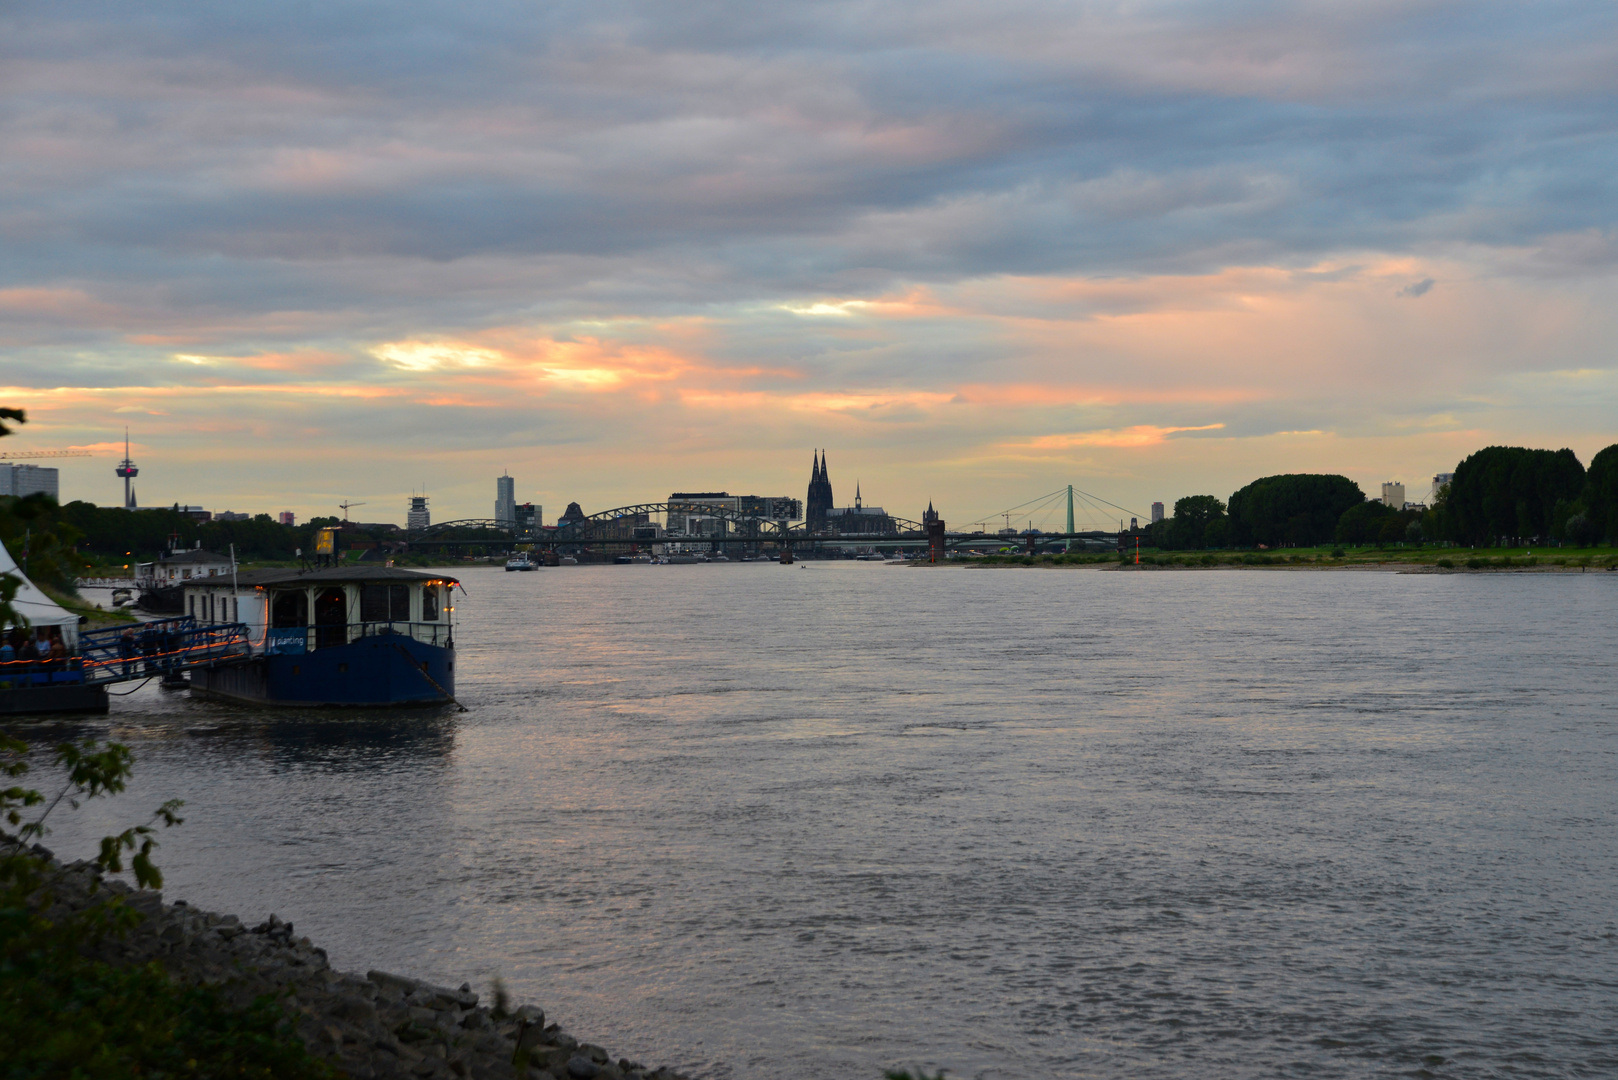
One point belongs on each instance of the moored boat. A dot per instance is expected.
(345, 636)
(520, 561)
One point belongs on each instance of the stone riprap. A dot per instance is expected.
(375, 1025)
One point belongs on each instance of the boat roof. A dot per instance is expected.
(333, 575)
(193, 555)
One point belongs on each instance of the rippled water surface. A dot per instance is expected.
(818, 821)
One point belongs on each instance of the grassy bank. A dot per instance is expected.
(1438, 559)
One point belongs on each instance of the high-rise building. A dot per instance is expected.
(20, 480)
(505, 501)
(529, 519)
(820, 497)
(418, 518)
(1157, 512)
(288, 518)
(1393, 494)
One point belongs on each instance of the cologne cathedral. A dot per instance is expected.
(819, 500)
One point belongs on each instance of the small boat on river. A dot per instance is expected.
(520, 561)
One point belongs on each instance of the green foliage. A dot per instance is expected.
(1510, 491)
(63, 1014)
(1600, 499)
(1297, 509)
(1199, 521)
(1446, 564)
(90, 770)
(1362, 523)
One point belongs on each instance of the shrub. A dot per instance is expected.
(1476, 563)
(1446, 564)
(1337, 553)
(63, 1014)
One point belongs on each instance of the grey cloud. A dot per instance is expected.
(1417, 288)
(351, 166)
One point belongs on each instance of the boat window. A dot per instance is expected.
(429, 603)
(373, 603)
(331, 618)
(384, 603)
(291, 609)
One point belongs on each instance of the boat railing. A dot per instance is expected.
(295, 640)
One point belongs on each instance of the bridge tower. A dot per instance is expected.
(1070, 517)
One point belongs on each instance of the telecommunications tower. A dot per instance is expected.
(127, 470)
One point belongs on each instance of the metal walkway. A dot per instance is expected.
(157, 648)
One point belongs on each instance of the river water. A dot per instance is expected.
(823, 820)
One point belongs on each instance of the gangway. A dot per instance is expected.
(158, 648)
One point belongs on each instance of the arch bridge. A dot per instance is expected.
(631, 525)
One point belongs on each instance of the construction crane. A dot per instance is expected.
(345, 505)
(46, 453)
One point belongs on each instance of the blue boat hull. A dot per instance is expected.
(389, 669)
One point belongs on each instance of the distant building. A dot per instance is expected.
(195, 513)
(20, 480)
(529, 519)
(687, 514)
(505, 501)
(288, 518)
(1393, 494)
(231, 515)
(418, 518)
(859, 519)
(819, 501)
(184, 566)
(931, 515)
(774, 507)
(1157, 512)
(572, 514)
(686, 517)
(1440, 482)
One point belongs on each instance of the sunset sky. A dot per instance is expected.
(978, 251)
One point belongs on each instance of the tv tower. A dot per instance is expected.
(127, 470)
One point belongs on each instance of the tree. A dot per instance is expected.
(1362, 524)
(1510, 491)
(1601, 495)
(1195, 518)
(1295, 508)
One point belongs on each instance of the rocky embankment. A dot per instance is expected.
(375, 1025)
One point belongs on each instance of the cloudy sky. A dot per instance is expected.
(308, 251)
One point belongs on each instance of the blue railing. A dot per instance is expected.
(160, 647)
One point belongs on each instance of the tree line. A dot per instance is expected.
(1499, 495)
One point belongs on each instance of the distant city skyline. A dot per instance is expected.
(977, 252)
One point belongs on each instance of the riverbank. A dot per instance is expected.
(376, 1026)
(1408, 560)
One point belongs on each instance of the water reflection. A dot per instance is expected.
(759, 822)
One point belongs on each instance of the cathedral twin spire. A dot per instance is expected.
(820, 496)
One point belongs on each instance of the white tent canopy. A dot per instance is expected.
(32, 603)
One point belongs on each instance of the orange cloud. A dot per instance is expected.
(1138, 435)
